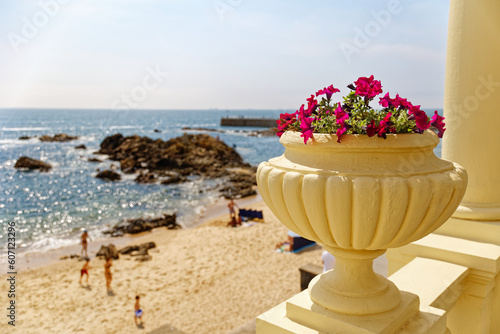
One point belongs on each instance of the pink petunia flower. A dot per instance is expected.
(384, 125)
(371, 128)
(329, 91)
(341, 117)
(421, 118)
(368, 87)
(306, 128)
(437, 122)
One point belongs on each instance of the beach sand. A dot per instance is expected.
(208, 279)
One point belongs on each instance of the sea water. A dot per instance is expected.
(50, 209)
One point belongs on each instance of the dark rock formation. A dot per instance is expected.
(129, 165)
(29, 163)
(240, 185)
(81, 147)
(60, 137)
(157, 131)
(109, 175)
(134, 226)
(94, 160)
(176, 159)
(109, 250)
(24, 137)
(148, 177)
(142, 249)
(73, 256)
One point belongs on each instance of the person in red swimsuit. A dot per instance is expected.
(85, 270)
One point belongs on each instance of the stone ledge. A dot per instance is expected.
(438, 284)
(475, 255)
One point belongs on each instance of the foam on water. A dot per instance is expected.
(25, 129)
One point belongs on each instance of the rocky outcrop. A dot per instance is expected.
(60, 137)
(94, 160)
(139, 250)
(241, 184)
(30, 163)
(134, 226)
(81, 147)
(109, 250)
(172, 161)
(24, 137)
(109, 175)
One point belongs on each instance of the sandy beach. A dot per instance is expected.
(208, 279)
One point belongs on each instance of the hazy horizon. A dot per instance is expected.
(222, 54)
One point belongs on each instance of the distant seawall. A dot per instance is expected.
(256, 122)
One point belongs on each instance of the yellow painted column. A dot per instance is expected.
(472, 111)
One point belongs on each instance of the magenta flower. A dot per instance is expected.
(284, 122)
(384, 125)
(355, 115)
(341, 117)
(437, 122)
(312, 104)
(385, 101)
(368, 87)
(329, 91)
(306, 128)
(371, 129)
(302, 112)
(404, 103)
(421, 118)
(397, 102)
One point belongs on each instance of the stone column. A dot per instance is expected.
(472, 111)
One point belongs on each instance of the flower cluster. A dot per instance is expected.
(355, 115)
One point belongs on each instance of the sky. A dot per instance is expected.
(227, 54)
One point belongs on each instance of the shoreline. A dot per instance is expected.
(200, 280)
(28, 260)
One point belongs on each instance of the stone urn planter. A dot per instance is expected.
(358, 198)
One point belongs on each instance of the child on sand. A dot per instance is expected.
(85, 271)
(137, 311)
(107, 273)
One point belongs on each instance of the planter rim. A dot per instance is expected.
(401, 140)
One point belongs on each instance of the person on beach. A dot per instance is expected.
(85, 270)
(231, 205)
(137, 311)
(84, 238)
(107, 272)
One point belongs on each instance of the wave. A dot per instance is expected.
(25, 129)
(115, 127)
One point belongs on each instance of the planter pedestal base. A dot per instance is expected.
(300, 314)
(353, 287)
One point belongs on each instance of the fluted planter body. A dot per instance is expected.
(357, 198)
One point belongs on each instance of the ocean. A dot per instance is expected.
(50, 209)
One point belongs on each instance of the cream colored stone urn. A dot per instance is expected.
(357, 198)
